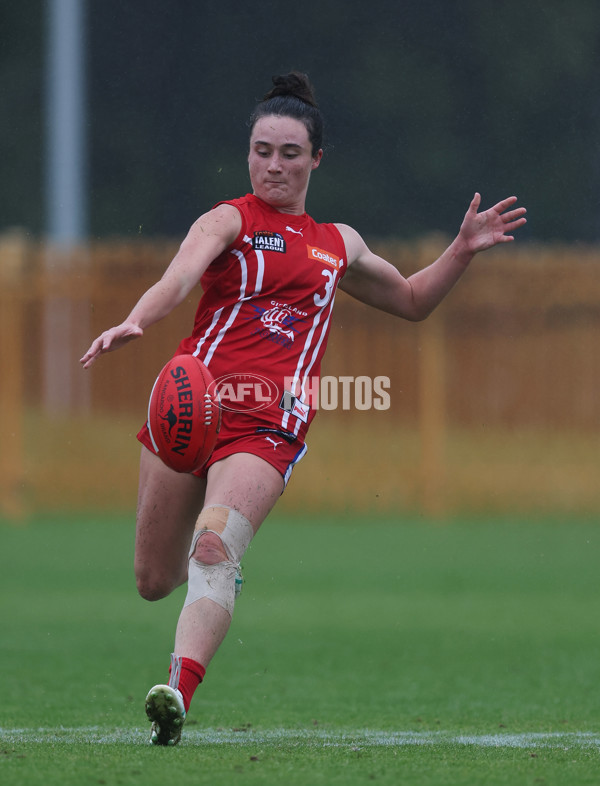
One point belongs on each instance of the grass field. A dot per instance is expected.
(386, 652)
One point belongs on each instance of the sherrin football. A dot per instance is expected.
(183, 417)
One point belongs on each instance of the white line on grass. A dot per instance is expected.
(360, 738)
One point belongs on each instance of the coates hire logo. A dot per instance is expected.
(323, 256)
(244, 392)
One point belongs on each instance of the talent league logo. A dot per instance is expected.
(268, 241)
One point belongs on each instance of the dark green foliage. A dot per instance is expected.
(425, 102)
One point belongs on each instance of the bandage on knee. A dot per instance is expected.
(218, 582)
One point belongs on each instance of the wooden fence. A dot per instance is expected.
(493, 400)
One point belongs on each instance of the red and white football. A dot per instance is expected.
(183, 417)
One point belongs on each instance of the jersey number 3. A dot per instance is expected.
(329, 284)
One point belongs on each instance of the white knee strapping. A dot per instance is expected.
(217, 582)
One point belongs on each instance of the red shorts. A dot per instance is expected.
(243, 434)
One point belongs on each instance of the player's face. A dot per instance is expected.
(280, 162)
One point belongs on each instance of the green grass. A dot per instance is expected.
(384, 651)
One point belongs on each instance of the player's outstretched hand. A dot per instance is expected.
(110, 340)
(484, 230)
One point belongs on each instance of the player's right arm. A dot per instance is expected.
(208, 237)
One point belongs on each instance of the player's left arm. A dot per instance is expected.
(374, 281)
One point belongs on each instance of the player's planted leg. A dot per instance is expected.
(241, 490)
(165, 708)
(221, 538)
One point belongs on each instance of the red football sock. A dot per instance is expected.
(190, 676)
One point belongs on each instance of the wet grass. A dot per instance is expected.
(390, 651)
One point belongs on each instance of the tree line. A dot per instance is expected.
(425, 102)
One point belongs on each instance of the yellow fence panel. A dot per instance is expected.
(493, 401)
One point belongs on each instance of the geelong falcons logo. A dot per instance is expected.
(279, 320)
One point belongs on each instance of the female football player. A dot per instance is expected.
(269, 275)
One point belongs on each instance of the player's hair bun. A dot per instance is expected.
(294, 84)
(292, 95)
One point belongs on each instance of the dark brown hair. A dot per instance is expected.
(292, 95)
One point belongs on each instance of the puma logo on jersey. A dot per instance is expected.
(272, 441)
(318, 255)
(295, 231)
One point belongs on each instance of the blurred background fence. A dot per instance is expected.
(493, 400)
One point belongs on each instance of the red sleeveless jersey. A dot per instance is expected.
(262, 323)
